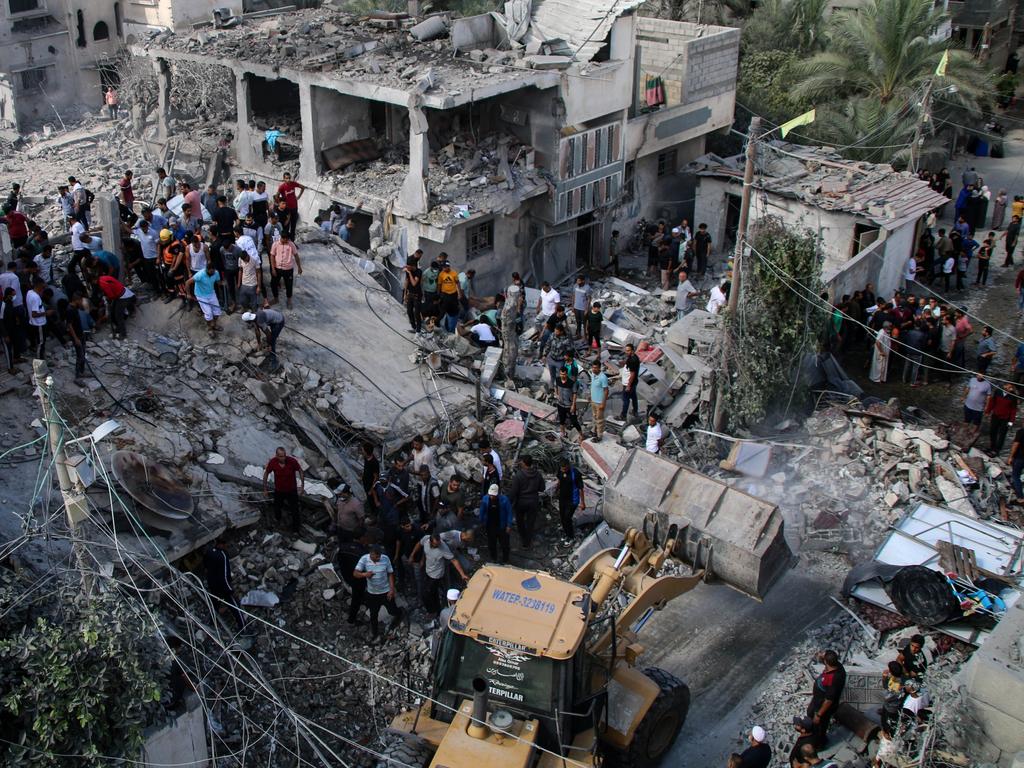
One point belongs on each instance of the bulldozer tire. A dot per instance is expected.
(661, 725)
(399, 753)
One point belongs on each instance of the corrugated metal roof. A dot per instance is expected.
(821, 177)
(582, 24)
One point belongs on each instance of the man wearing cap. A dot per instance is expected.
(435, 555)
(271, 322)
(496, 517)
(759, 753)
(376, 569)
(452, 597)
(809, 758)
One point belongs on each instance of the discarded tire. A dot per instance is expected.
(923, 596)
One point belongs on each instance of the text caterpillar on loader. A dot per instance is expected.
(533, 671)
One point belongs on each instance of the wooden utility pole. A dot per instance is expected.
(737, 264)
(915, 148)
(74, 501)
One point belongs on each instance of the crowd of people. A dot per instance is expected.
(208, 252)
(411, 533)
(905, 710)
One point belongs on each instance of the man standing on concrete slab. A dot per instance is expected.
(701, 249)
(630, 379)
(284, 262)
(826, 694)
(571, 494)
(165, 185)
(559, 347)
(496, 516)
(566, 389)
(685, 294)
(376, 569)
(655, 435)
(290, 191)
(599, 392)
(435, 555)
(412, 293)
(524, 494)
(759, 753)
(581, 295)
(285, 469)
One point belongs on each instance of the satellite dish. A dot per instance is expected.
(152, 485)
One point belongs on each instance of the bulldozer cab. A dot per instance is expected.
(522, 632)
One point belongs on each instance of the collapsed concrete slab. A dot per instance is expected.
(739, 537)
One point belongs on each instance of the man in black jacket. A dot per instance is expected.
(218, 580)
(524, 493)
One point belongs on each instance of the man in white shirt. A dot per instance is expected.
(482, 335)
(910, 273)
(685, 293)
(549, 298)
(717, 300)
(422, 455)
(37, 313)
(655, 435)
(9, 279)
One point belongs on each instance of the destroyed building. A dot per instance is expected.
(511, 143)
(868, 217)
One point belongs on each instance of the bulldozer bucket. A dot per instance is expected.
(739, 538)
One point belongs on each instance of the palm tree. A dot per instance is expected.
(885, 51)
(796, 26)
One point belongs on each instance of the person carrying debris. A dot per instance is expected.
(285, 469)
(376, 569)
(496, 516)
(271, 323)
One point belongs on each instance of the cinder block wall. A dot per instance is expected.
(696, 61)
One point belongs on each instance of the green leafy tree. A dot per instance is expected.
(764, 84)
(83, 686)
(885, 51)
(794, 26)
(772, 327)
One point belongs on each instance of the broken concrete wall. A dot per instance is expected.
(169, 14)
(995, 682)
(862, 269)
(474, 32)
(181, 741)
(337, 118)
(694, 60)
(606, 87)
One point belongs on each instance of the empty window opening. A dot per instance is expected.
(480, 239)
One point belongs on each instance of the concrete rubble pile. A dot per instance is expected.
(677, 356)
(954, 734)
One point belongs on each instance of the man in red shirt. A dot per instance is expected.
(192, 198)
(17, 226)
(287, 192)
(119, 299)
(286, 489)
(1002, 407)
(127, 192)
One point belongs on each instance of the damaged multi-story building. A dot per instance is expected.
(511, 142)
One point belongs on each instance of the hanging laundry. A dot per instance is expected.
(654, 91)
